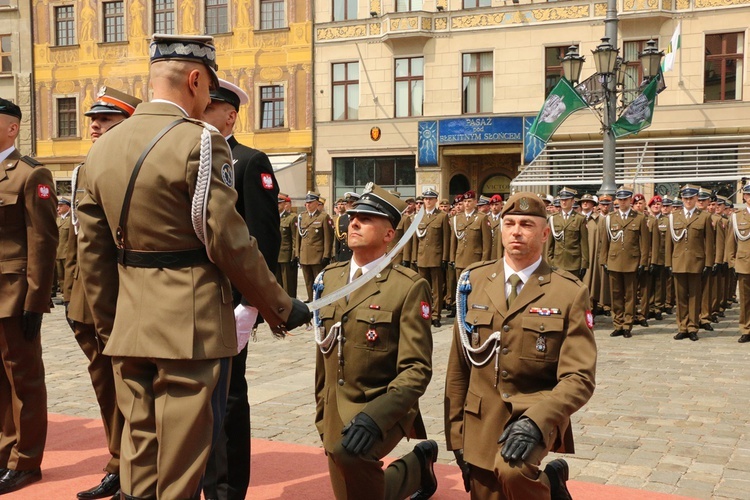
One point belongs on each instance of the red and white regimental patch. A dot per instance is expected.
(266, 180)
(589, 319)
(43, 191)
(425, 308)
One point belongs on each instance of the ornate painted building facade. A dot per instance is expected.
(263, 46)
(449, 87)
(16, 64)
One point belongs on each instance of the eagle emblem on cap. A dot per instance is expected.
(368, 187)
(523, 204)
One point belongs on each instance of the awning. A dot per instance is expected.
(281, 162)
(291, 174)
(653, 160)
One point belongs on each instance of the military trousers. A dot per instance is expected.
(708, 281)
(660, 282)
(744, 285)
(59, 274)
(605, 294)
(512, 480)
(688, 297)
(286, 275)
(228, 469)
(644, 296)
(173, 412)
(310, 272)
(103, 381)
(435, 276)
(23, 398)
(450, 288)
(624, 288)
(362, 476)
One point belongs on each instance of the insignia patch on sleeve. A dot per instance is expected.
(266, 180)
(227, 174)
(589, 320)
(43, 191)
(425, 309)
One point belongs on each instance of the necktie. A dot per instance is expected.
(514, 280)
(357, 274)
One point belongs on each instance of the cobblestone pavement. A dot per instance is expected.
(667, 416)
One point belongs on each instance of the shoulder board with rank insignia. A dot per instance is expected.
(31, 161)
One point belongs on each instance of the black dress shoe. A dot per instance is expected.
(436, 323)
(658, 316)
(668, 310)
(693, 336)
(707, 327)
(427, 452)
(626, 334)
(109, 486)
(617, 333)
(607, 313)
(714, 318)
(451, 314)
(14, 480)
(680, 336)
(744, 338)
(643, 322)
(721, 314)
(557, 472)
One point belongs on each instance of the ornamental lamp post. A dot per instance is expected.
(651, 59)
(572, 64)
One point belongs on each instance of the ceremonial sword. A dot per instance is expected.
(357, 283)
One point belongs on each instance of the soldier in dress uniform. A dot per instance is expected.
(405, 255)
(111, 107)
(523, 360)
(450, 274)
(374, 361)
(717, 274)
(28, 239)
(431, 250)
(483, 205)
(605, 294)
(689, 255)
(568, 246)
(644, 280)
(228, 469)
(444, 206)
(63, 230)
(286, 268)
(738, 258)
(624, 254)
(161, 240)
(471, 236)
(314, 240)
(669, 300)
(341, 250)
(709, 281)
(656, 269)
(495, 218)
(592, 278)
(724, 272)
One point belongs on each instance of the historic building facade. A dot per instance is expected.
(438, 93)
(16, 73)
(263, 46)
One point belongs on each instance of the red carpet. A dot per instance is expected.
(76, 453)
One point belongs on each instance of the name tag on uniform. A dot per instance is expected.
(316, 223)
(481, 307)
(544, 311)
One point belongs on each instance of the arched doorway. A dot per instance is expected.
(459, 184)
(496, 184)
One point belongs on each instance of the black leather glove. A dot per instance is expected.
(465, 469)
(725, 266)
(444, 265)
(669, 270)
(31, 325)
(71, 323)
(520, 439)
(360, 434)
(715, 269)
(706, 270)
(299, 316)
(295, 260)
(651, 268)
(581, 273)
(606, 269)
(325, 261)
(405, 263)
(639, 271)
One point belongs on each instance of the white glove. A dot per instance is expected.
(245, 317)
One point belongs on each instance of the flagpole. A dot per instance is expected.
(609, 146)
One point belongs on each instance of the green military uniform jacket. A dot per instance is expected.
(660, 233)
(314, 237)
(720, 229)
(288, 229)
(547, 362)
(28, 236)
(737, 251)
(471, 239)
(385, 377)
(73, 291)
(172, 313)
(496, 252)
(571, 250)
(431, 242)
(406, 252)
(63, 229)
(696, 249)
(632, 246)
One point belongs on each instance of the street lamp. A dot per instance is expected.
(611, 72)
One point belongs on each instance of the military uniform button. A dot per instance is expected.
(506, 328)
(506, 395)
(504, 373)
(341, 381)
(344, 318)
(541, 328)
(505, 350)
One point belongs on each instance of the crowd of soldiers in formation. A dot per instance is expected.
(640, 259)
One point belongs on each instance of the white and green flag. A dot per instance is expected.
(674, 45)
(562, 102)
(638, 115)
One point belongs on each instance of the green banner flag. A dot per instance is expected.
(638, 115)
(562, 102)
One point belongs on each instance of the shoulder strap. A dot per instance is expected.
(120, 232)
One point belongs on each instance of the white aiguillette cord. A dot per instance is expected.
(357, 283)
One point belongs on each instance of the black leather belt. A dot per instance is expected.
(169, 260)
